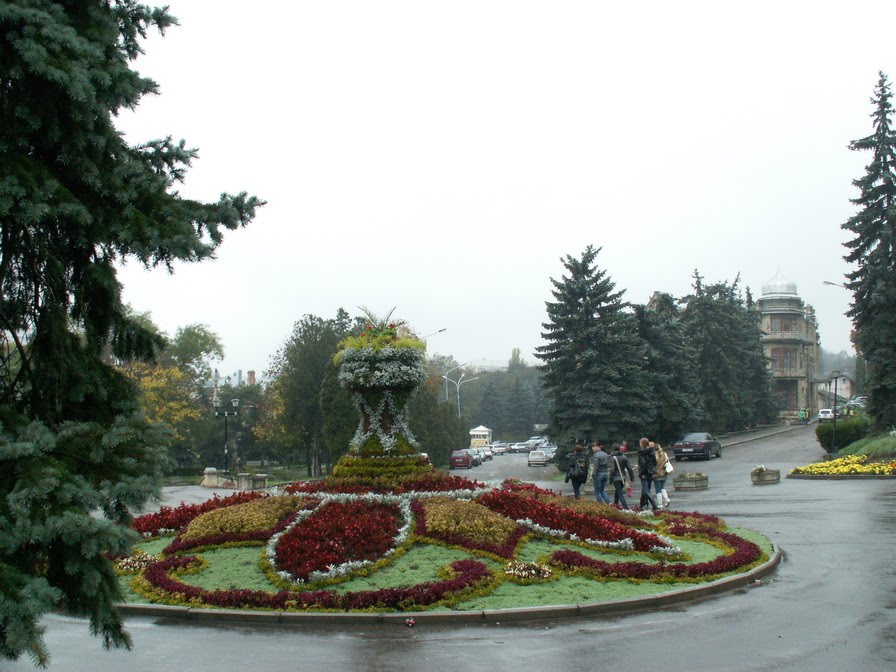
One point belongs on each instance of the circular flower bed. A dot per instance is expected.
(338, 546)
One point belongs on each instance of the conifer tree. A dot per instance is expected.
(594, 375)
(671, 362)
(732, 369)
(75, 200)
(491, 409)
(873, 250)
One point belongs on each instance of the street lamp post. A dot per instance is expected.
(226, 414)
(423, 338)
(445, 376)
(457, 383)
(836, 375)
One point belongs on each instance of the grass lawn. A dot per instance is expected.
(882, 446)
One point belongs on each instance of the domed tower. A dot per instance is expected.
(790, 340)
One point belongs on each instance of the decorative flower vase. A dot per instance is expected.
(691, 482)
(765, 476)
(381, 382)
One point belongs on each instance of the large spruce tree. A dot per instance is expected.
(732, 369)
(671, 362)
(594, 361)
(75, 200)
(873, 250)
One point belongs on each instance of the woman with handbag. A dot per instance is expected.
(663, 469)
(618, 467)
(646, 471)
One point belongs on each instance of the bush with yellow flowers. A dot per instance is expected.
(852, 464)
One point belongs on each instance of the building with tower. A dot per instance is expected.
(790, 340)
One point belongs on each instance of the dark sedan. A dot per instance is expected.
(460, 459)
(697, 444)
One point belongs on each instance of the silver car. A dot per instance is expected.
(538, 458)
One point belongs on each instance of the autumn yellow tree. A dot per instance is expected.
(271, 427)
(167, 395)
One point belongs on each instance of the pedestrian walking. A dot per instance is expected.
(663, 469)
(577, 469)
(646, 470)
(601, 471)
(619, 468)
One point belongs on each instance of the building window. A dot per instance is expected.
(784, 359)
(784, 323)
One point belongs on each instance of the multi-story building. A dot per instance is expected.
(790, 340)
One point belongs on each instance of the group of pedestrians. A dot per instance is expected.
(614, 467)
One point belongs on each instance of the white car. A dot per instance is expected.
(499, 449)
(537, 458)
(826, 415)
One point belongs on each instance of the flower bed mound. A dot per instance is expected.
(396, 484)
(335, 545)
(373, 469)
(852, 464)
(259, 514)
(337, 533)
(167, 519)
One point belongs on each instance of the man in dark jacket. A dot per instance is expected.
(601, 472)
(646, 471)
(577, 468)
(618, 466)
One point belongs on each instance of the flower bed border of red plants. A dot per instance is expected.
(467, 574)
(744, 555)
(584, 526)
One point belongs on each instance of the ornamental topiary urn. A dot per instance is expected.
(382, 367)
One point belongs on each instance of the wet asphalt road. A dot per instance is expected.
(828, 607)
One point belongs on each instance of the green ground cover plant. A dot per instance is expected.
(880, 446)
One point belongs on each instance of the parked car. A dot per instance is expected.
(460, 459)
(521, 447)
(697, 444)
(487, 453)
(477, 457)
(537, 458)
(499, 449)
(826, 415)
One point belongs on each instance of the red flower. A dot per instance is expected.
(167, 518)
(517, 506)
(337, 533)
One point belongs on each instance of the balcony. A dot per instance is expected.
(789, 373)
(784, 336)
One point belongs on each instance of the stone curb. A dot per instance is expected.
(455, 617)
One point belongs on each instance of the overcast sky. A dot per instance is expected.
(443, 157)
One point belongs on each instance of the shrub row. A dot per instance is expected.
(843, 432)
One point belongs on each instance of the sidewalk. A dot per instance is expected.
(737, 438)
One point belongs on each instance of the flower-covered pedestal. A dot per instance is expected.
(691, 482)
(762, 475)
(381, 367)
